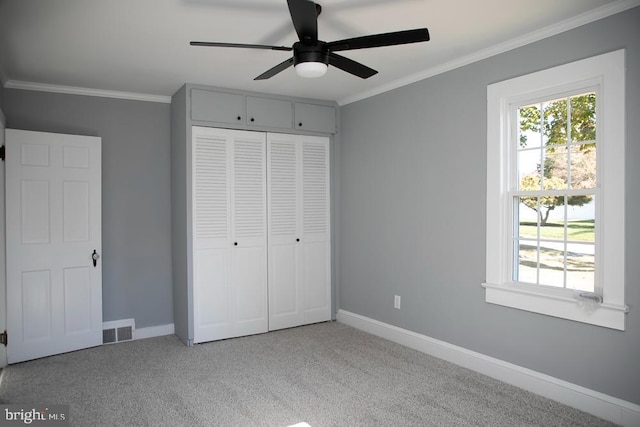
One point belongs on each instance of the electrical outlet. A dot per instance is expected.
(396, 302)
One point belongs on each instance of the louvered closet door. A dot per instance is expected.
(249, 218)
(316, 236)
(229, 234)
(285, 249)
(298, 217)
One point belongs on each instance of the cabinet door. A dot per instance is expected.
(315, 118)
(285, 250)
(218, 107)
(266, 112)
(229, 234)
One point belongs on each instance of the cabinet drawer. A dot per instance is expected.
(315, 118)
(218, 107)
(267, 112)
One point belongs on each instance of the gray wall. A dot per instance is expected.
(1, 95)
(412, 218)
(136, 214)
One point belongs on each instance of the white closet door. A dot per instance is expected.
(299, 230)
(229, 233)
(284, 216)
(211, 235)
(316, 236)
(249, 219)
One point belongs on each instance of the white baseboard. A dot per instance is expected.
(121, 323)
(593, 402)
(154, 331)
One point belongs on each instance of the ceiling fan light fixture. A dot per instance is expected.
(311, 70)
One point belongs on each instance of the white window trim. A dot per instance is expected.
(607, 72)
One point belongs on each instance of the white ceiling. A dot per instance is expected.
(142, 46)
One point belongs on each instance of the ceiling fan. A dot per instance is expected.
(311, 56)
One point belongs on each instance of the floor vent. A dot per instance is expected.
(108, 336)
(118, 331)
(125, 333)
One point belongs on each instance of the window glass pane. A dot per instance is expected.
(527, 217)
(527, 268)
(581, 267)
(583, 118)
(529, 170)
(583, 167)
(552, 264)
(555, 122)
(529, 133)
(581, 218)
(551, 213)
(556, 165)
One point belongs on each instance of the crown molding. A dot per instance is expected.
(566, 25)
(72, 90)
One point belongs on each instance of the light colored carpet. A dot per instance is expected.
(327, 374)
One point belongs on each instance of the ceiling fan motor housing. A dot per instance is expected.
(310, 53)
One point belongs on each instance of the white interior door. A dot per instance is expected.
(53, 228)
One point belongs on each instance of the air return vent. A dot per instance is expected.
(108, 336)
(118, 331)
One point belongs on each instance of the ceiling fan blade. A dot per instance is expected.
(275, 70)
(351, 66)
(304, 15)
(242, 45)
(379, 40)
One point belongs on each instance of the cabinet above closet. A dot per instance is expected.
(208, 106)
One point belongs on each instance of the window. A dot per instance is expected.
(555, 191)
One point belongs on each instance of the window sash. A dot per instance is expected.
(513, 143)
(564, 192)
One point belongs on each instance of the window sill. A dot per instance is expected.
(556, 302)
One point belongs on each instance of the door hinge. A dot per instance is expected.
(3, 338)
(2, 153)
